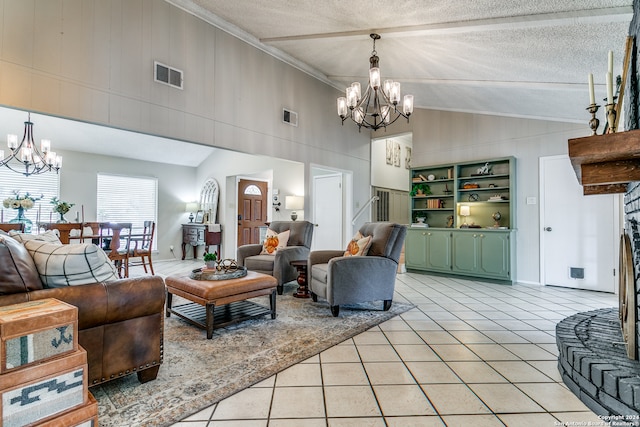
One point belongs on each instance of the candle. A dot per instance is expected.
(610, 69)
(592, 96)
(50, 216)
(609, 88)
(77, 216)
(39, 210)
(82, 213)
(2, 215)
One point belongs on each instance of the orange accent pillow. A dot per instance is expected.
(358, 246)
(274, 241)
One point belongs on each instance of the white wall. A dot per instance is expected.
(388, 175)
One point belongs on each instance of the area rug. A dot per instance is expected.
(197, 372)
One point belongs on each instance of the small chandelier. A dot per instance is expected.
(25, 158)
(378, 108)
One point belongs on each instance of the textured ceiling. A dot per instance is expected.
(515, 58)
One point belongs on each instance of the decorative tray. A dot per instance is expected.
(215, 274)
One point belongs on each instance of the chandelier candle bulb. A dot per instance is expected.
(12, 141)
(592, 94)
(374, 77)
(407, 105)
(45, 146)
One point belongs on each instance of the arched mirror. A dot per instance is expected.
(209, 200)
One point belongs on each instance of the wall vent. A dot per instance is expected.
(576, 273)
(290, 117)
(167, 75)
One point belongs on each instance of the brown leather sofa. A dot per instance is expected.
(120, 323)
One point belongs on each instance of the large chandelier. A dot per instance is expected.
(26, 158)
(378, 108)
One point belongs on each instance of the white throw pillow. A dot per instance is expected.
(358, 246)
(70, 265)
(274, 241)
(48, 236)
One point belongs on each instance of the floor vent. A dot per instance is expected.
(167, 75)
(290, 117)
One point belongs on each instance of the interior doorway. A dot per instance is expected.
(330, 193)
(252, 210)
(579, 234)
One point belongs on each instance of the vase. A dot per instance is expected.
(210, 264)
(23, 219)
(62, 220)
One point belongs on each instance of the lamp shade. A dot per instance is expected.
(191, 207)
(294, 202)
(465, 210)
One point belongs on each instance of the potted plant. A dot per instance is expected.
(420, 188)
(210, 260)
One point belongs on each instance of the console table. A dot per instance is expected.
(198, 234)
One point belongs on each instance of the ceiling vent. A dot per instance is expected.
(290, 117)
(167, 75)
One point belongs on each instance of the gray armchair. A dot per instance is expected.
(298, 247)
(349, 280)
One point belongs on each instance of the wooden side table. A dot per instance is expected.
(197, 234)
(303, 288)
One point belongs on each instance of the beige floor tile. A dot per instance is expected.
(370, 337)
(424, 325)
(233, 423)
(505, 337)
(308, 422)
(492, 352)
(302, 374)
(402, 400)
(471, 337)
(388, 373)
(395, 324)
(354, 422)
(269, 382)
(313, 359)
(438, 337)
(297, 402)
(553, 397)
(530, 352)
(340, 354)
(454, 352)
(455, 325)
(403, 337)
(351, 401)
(454, 399)
(519, 372)
(505, 398)
(416, 353)
(247, 404)
(432, 372)
(472, 420)
(378, 353)
(421, 421)
(551, 348)
(192, 424)
(547, 367)
(527, 420)
(578, 418)
(414, 314)
(344, 374)
(476, 372)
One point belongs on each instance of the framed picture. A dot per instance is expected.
(389, 152)
(199, 217)
(407, 159)
(396, 154)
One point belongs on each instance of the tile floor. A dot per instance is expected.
(470, 354)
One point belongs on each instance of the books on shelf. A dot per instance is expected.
(435, 204)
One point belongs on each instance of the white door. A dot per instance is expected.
(579, 234)
(327, 212)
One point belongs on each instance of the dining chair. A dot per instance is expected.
(66, 231)
(115, 240)
(141, 246)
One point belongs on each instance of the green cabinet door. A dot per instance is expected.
(465, 252)
(415, 252)
(493, 251)
(438, 244)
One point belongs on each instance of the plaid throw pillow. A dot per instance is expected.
(49, 236)
(70, 265)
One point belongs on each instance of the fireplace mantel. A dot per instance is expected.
(605, 164)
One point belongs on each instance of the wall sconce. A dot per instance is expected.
(191, 207)
(294, 203)
(465, 211)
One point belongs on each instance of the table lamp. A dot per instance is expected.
(294, 203)
(191, 208)
(465, 211)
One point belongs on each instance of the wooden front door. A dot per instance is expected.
(252, 210)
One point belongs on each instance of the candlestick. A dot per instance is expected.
(609, 88)
(611, 117)
(77, 216)
(594, 122)
(592, 95)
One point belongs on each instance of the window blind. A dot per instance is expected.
(127, 199)
(46, 185)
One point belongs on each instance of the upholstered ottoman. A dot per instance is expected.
(233, 294)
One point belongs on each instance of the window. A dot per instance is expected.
(127, 199)
(46, 185)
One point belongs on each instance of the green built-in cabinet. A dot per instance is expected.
(441, 239)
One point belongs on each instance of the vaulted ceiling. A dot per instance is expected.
(517, 58)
